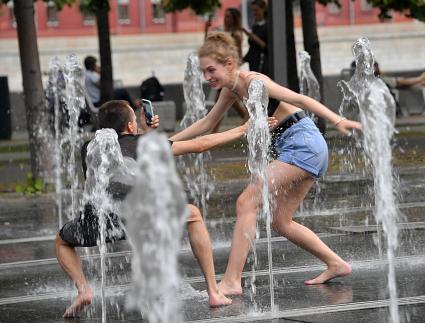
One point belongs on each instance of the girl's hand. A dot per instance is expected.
(272, 121)
(345, 125)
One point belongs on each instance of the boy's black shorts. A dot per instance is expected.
(83, 231)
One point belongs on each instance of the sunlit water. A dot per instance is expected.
(71, 138)
(259, 140)
(155, 213)
(310, 87)
(370, 98)
(54, 91)
(194, 166)
(104, 158)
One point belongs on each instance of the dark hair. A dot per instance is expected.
(260, 4)
(236, 17)
(115, 114)
(90, 63)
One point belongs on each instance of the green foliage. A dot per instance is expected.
(59, 3)
(32, 185)
(200, 7)
(93, 6)
(411, 8)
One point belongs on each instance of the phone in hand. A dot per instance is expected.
(148, 109)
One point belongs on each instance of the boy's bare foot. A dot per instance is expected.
(230, 289)
(84, 298)
(217, 299)
(339, 270)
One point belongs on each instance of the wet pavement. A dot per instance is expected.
(34, 288)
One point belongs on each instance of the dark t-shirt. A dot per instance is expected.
(128, 144)
(257, 56)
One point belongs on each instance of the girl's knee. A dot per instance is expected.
(245, 203)
(281, 227)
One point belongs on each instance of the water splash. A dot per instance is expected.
(155, 213)
(54, 91)
(309, 85)
(74, 83)
(259, 140)
(193, 166)
(103, 159)
(368, 96)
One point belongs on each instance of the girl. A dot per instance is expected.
(302, 156)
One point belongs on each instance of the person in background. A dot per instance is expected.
(393, 82)
(257, 39)
(92, 79)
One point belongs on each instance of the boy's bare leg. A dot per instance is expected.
(201, 247)
(70, 262)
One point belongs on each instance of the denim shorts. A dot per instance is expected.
(303, 145)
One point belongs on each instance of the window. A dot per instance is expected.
(124, 11)
(11, 14)
(366, 6)
(158, 13)
(334, 9)
(89, 19)
(52, 14)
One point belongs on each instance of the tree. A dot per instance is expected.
(200, 7)
(410, 8)
(31, 78)
(34, 98)
(100, 9)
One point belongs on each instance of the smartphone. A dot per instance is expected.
(148, 109)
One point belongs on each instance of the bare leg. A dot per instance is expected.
(288, 199)
(201, 247)
(70, 262)
(243, 234)
(288, 185)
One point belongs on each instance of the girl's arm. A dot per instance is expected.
(207, 142)
(207, 123)
(283, 94)
(255, 38)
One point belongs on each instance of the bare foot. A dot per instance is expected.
(230, 289)
(84, 298)
(217, 299)
(339, 270)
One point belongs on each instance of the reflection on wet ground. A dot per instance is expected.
(34, 289)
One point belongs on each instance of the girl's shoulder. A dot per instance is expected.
(249, 76)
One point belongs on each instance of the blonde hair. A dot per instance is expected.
(219, 46)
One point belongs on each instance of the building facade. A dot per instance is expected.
(147, 17)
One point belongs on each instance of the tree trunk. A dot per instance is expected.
(106, 79)
(312, 46)
(32, 83)
(293, 82)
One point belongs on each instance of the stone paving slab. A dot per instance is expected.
(365, 289)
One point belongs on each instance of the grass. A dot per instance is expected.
(14, 149)
(337, 164)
